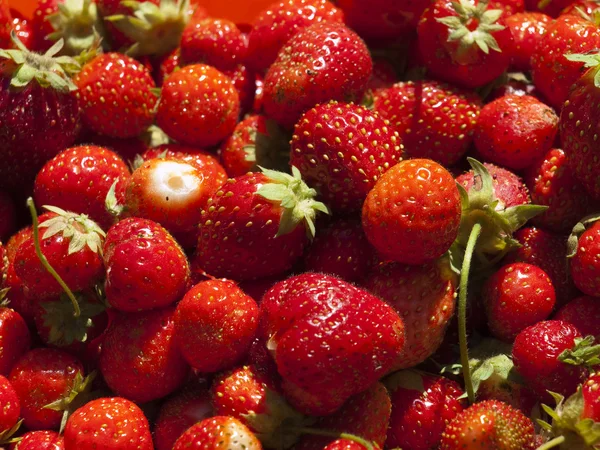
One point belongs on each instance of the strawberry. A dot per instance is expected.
(314, 325)
(269, 217)
(323, 62)
(15, 339)
(349, 444)
(40, 377)
(553, 74)
(23, 29)
(434, 120)
(514, 131)
(107, 8)
(11, 407)
(516, 296)
(585, 268)
(582, 313)
(528, 30)
(218, 433)
(422, 405)
(552, 182)
(145, 267)
(108, 423)
(464, 43)
(8, 216)
(215, 324)
(424, 296)
(211, 109)
(5, 24)
(39, 440)
(39, 115)
(78, 179)
(489, 425)
(591, 398)
(126, 148)
(412, 214)
(277, 23)
(115, 95)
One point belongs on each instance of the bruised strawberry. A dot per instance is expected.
(582, 313)
(218, 433)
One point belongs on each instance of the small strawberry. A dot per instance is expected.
(412, 214)
(528, 30)
(15, 339)
(515, 131)
(218, 433)
(434, 120)
(11, 408)
(207, 162)
(269, 217)
(323, 62)
(211, 106)
(215, 323)
(109, 424)
(115, 95)
(489, 425)
(422, 406)
(582, 313)
(39, 440)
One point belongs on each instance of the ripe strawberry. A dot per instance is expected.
(313, 326)
(514, 131)
(412, 214)
(5, 24)
(218, 433)
(39, 440)
(211, 106)
(434, 120)
(72, 244)
(489, 425)
(203, 160)
(582, 8)
(115, 95)
(11, 407)
(424, 296)
(168, 64)
(422, 405)
(244, 82)
(516, 296)
(145, 267)
(268, 218)
(109, 424)
(582, 313)
(585, 267)
(39, 115)
(281, 20)
(15, 339)
(323, 62)
(349, 444)
(215, 324)
(78, 180)
(553, 74)
(40, 377)
(528, 30)
(591, 398)
(464, 43)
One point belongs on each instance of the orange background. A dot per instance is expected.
(240, 11)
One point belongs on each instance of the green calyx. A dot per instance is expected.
(578, 230)
(47, 70)
(296, 199)
(584, 353)
(473, 25)
(270, 149)
(154, 29)
(589, 60)
(7, 437)
(79, 229)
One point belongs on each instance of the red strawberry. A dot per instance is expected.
(23, 29)
(553, 74)
(78, 180)
(489, 425)
(422, 405)
(277, 23)
(5, 24)
(11, 407)
(329, 339)
(464, 43)
(115, 95)
(528, 30)
(323, 62)
(434, 120)
(591, 398)
(211, 109)
(109, 424)
(269, 217)
(108, 8)
(14, 338)
(582, 313)
(552, 183)
(168, 64)
(412, 214)
(215, 324)
(582, 8)
(145, 267)
(149, 366)
(244, 82)
(40, 440)
(367, 145)
(349, 444)
(585, 266)
(514, 131)
(218, 433)
(40, 377)
(516, 296)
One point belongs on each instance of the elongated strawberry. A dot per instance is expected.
(39, 440)
(15, 339)
(582, 313)
(218, 433)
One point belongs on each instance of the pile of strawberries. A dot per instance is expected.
(349, 225)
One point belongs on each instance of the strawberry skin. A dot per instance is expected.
(367, 145)
(412, 214)
(585, 266)
(40, 440)
(302, 76)
(5, 24)
(591, 398)
(11, 405)
(15, 339)
(528, 30)
(218, 433)
(582, 313)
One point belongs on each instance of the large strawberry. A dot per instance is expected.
(323, 62)
(342, 150)
(218, 433)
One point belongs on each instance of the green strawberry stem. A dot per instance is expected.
(552, 444)
(462, 310)
(333, 434)
(44, 261)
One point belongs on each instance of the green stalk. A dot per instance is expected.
(552, 444)
(44, 260)
(462, 310)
